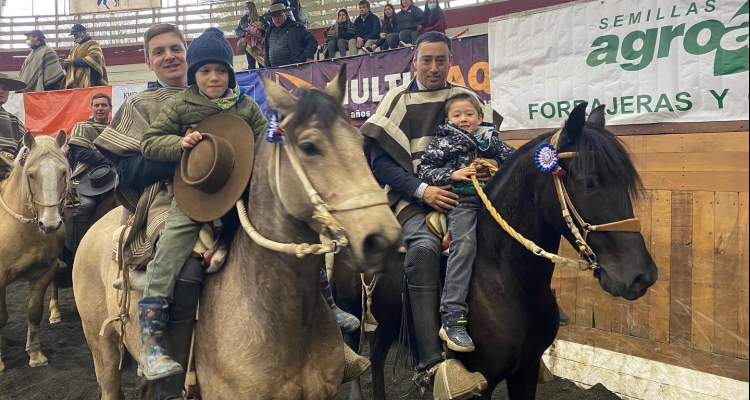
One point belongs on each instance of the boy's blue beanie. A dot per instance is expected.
(210, 47)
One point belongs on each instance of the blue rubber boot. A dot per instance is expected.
(154, 363)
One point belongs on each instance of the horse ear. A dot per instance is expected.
(596, 117)
(575, 123)
(278, 97)
(337, 87)
(61, 139)
(29, 141)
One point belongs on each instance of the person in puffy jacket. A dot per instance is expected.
(409, 18)
(252, 31)
(287, 41)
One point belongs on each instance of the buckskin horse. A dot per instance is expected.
(264, 329)
(513, 315)
(30, 236)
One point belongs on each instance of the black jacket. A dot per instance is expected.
(302, 43)
(409, 20)
(367, 29)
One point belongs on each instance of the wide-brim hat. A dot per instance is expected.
(213, 174)
(276, 7)
(99, 180)
(11, 84)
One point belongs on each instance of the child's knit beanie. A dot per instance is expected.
(210, 47)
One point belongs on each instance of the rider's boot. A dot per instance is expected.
(153, 360)
(354, 364)
(347, 322)
(182, 318)
(454, 333)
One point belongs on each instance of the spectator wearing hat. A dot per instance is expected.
(11, 128)
(85, 63)
(213, 90)
(85, 159)
(41, 70)
(287, 41)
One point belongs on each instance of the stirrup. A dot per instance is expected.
(354, 365)
(454, 382)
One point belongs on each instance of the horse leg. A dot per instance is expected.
(3, 321)
(37, 289)
(352, 340)
(522, 384)
(380, 344)
(54, 305)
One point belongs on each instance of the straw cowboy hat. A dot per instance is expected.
(276, 7)
(213, 174)
(11, 84)
(99, 180)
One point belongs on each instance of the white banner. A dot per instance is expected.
(648, 61)
(93, 6)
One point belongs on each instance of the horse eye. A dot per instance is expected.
(592, 184)
(309, 148)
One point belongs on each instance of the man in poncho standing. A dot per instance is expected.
(41, 70)
(85, 63)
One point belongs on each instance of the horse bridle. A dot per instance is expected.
(31, 200)
(585, 251)
(323, 213)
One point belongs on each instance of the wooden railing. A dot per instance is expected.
(127, 27)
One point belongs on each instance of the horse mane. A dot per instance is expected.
(316, 106)
(45, 147)
(598, 151)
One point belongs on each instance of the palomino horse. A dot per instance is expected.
(513, 315)
(30, 235)
(264, 329)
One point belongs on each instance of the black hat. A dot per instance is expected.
(210, 47)
(77, 28)
(36, 32)
(99, 180)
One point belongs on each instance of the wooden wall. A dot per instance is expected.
(694, 218)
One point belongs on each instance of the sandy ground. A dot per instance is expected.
(70, 374)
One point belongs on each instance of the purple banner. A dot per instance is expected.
(370, 77)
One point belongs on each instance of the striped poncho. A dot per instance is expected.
(11, 135)
(403, 125)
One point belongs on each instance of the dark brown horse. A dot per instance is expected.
(513, 314)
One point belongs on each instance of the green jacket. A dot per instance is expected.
(185, 110)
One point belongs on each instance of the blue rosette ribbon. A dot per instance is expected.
(546, 158)
(274, 133)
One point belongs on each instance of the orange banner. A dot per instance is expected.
(48, 112)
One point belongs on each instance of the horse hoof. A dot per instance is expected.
(55, 320)
(38, 361)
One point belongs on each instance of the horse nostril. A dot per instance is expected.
(375, 243)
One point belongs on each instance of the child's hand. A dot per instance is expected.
(463, 174)
(191, 139)
(483, 173)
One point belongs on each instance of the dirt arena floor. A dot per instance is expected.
(70, 374)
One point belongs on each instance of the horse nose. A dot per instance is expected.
(48, 229)
(641, 283)
(379, 248)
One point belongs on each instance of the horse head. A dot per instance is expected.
(334, 191)
(45, 179)
(602, 184)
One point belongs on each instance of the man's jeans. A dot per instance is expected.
(462, 225)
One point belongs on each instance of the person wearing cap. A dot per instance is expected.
(11, 128)
(41, 70)
(85, 64)
(85, 158)
(213, 90)
(287, 41)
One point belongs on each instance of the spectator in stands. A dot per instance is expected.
(340, 36)
(409, 19)
(85, 158)
(11, 128)
(434, 18)
(287, 41)
(366, 28)
(85, 63)
(41, 70)
(252, 32)
(388, 24)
